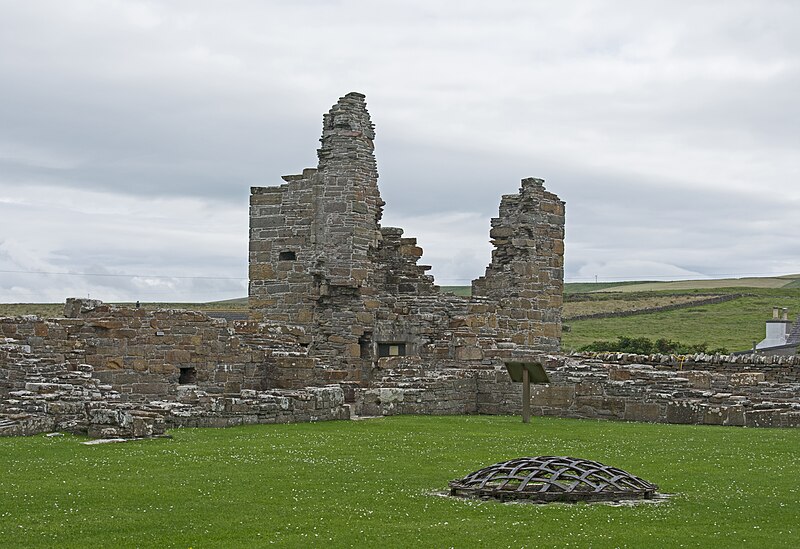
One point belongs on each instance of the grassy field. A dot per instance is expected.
(373, 483)
(788, 281)
(586, 287)
(457, 290)
(733, 325)
(586, 304)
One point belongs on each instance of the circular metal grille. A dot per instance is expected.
(552, 478)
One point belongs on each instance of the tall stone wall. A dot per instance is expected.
(320, 260)
(313, 241)
(526, 275)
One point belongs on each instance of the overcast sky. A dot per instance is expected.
(131, 132)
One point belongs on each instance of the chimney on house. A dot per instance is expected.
(778, 328)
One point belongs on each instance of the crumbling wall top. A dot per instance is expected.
(347, 132)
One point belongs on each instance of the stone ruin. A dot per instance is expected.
(321, 263)
(343, 320)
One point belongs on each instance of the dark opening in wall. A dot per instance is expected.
(188, 376)
(391, 349)
(287, 256)
(365, 342)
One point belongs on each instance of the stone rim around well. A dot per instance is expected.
(552, 479)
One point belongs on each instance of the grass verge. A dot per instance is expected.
(370, 484)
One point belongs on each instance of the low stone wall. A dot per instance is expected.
(120, 372)
(591, 388)
(38, 396)
(147, 354)
(407, 386)
(753, 395)
(447, 393)
(196, 408)
(777, 368)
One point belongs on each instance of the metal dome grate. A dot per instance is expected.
(552, 478)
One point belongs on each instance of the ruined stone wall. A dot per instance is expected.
(282, 287)
(146, 354)
(753, 395)
(108, 372)
(313, 241)
(120, 372)
(590, 388)
(333, 296)
(320, 260)
(526, 274)
(69, 398)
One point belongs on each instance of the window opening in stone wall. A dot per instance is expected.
(188, 376)
(365, 342)
(391, 349)
(287, 256)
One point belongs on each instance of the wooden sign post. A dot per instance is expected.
(526, 373)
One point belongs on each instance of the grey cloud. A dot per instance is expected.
(670, 131)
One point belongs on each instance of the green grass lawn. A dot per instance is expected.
(372, 483)
(733, 325)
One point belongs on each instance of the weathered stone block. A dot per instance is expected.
(164, 369)
(747, 379)
(619, 374)
(178, 356)
(713, 415)
(762, 418)
(642, 411)
(468, 352)
(556, 396)
(683, 412)
(114, 363)
(699, 379)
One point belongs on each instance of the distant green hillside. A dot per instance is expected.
(734, 325)
(457, 290)
(587, 287)
(569, 288)
(787, 281)
(236, 301)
